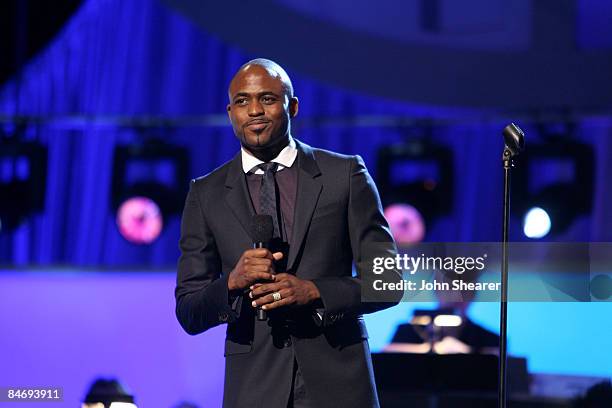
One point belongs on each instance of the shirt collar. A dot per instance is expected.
(285, 158)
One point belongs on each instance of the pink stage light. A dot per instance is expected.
(406, 223)
(139, 220)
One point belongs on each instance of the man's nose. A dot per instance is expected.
(256, 109)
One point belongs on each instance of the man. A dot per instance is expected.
(312, 349)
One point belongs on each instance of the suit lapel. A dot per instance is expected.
(309, 189)
(237, 194)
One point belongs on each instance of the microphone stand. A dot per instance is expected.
(514, 144)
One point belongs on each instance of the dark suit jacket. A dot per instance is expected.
(338, 219)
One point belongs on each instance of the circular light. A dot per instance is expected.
(139, 220)
(536, 223)
(406, 223)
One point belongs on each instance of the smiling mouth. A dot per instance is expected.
(257, 126)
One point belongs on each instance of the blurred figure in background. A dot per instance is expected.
(447, 329)
(108, 393)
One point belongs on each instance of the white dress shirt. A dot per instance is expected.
(285, 158)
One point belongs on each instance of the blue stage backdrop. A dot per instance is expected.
(141, 58)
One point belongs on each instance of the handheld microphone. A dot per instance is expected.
(262, 231)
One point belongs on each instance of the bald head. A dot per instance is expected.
(271, 67)
(261, 106)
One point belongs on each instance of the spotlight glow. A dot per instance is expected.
(139, 220)
(536, 223)
(447, 321)
(406, 223)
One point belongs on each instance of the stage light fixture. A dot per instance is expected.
(139, 220)
(554, 186)
(536, 223)
(447, 320)
(23, 167)
(419, 175)
(406, 223)
(148, 186)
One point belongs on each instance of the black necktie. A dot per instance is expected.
(268, 194)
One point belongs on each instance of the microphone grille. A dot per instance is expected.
(262, 228)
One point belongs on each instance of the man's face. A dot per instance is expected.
(259, 109)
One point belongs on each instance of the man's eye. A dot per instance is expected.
(268, 99)
(240, 101)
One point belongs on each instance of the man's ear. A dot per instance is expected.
(293, 107)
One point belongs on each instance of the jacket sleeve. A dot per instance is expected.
(202, 296)
(370, 237)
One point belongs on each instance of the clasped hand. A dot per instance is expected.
(255, 270)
